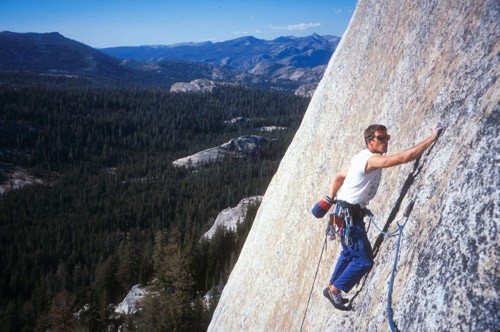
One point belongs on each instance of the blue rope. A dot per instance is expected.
(391, 283)
(372, 220)
(398, 232)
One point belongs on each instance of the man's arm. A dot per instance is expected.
(337, 182)
(321, 208)
(380, 161)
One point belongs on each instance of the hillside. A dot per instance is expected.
(91, 203)
(407, 65)
(51, 51)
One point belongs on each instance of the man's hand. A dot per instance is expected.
(321, 208)
(438, 129)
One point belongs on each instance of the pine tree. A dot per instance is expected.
(60, 316)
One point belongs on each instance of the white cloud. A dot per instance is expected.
(241, 33)
(294, 27)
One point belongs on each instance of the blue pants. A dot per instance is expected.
(355, 260)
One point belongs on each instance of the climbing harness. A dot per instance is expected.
(341, 222)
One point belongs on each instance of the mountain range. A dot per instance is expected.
(243, 53)
(285, 63)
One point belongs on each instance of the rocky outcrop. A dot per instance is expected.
(200, 85)
(243, 146)
(131, 302)
(408, 65)
(305, 90)
(236, 121)
(271, 128)
(277, 72)
(230, 218)
(15, 177)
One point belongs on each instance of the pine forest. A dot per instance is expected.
(108, 210)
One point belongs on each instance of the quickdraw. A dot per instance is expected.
(340, 224)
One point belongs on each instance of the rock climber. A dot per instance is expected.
(352, 188)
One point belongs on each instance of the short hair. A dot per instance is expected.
(370, 131)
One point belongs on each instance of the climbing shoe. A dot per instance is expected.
(336, 300)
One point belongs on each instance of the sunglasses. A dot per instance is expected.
(380, 137)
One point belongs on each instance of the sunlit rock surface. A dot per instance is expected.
(406, 64)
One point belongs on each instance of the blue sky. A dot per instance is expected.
(106, 23)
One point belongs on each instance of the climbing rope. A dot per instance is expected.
(386, 234)
(314, 280)
(399, 233)
(406, 215)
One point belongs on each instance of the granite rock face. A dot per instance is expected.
(406, 64)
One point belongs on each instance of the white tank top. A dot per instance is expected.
(359, 187)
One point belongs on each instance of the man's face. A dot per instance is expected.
(379, 143)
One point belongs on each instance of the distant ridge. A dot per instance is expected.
(285, 63)
(51, 51)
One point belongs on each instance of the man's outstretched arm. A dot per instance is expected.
(380, 161)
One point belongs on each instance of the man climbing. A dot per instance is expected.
(351, 189)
